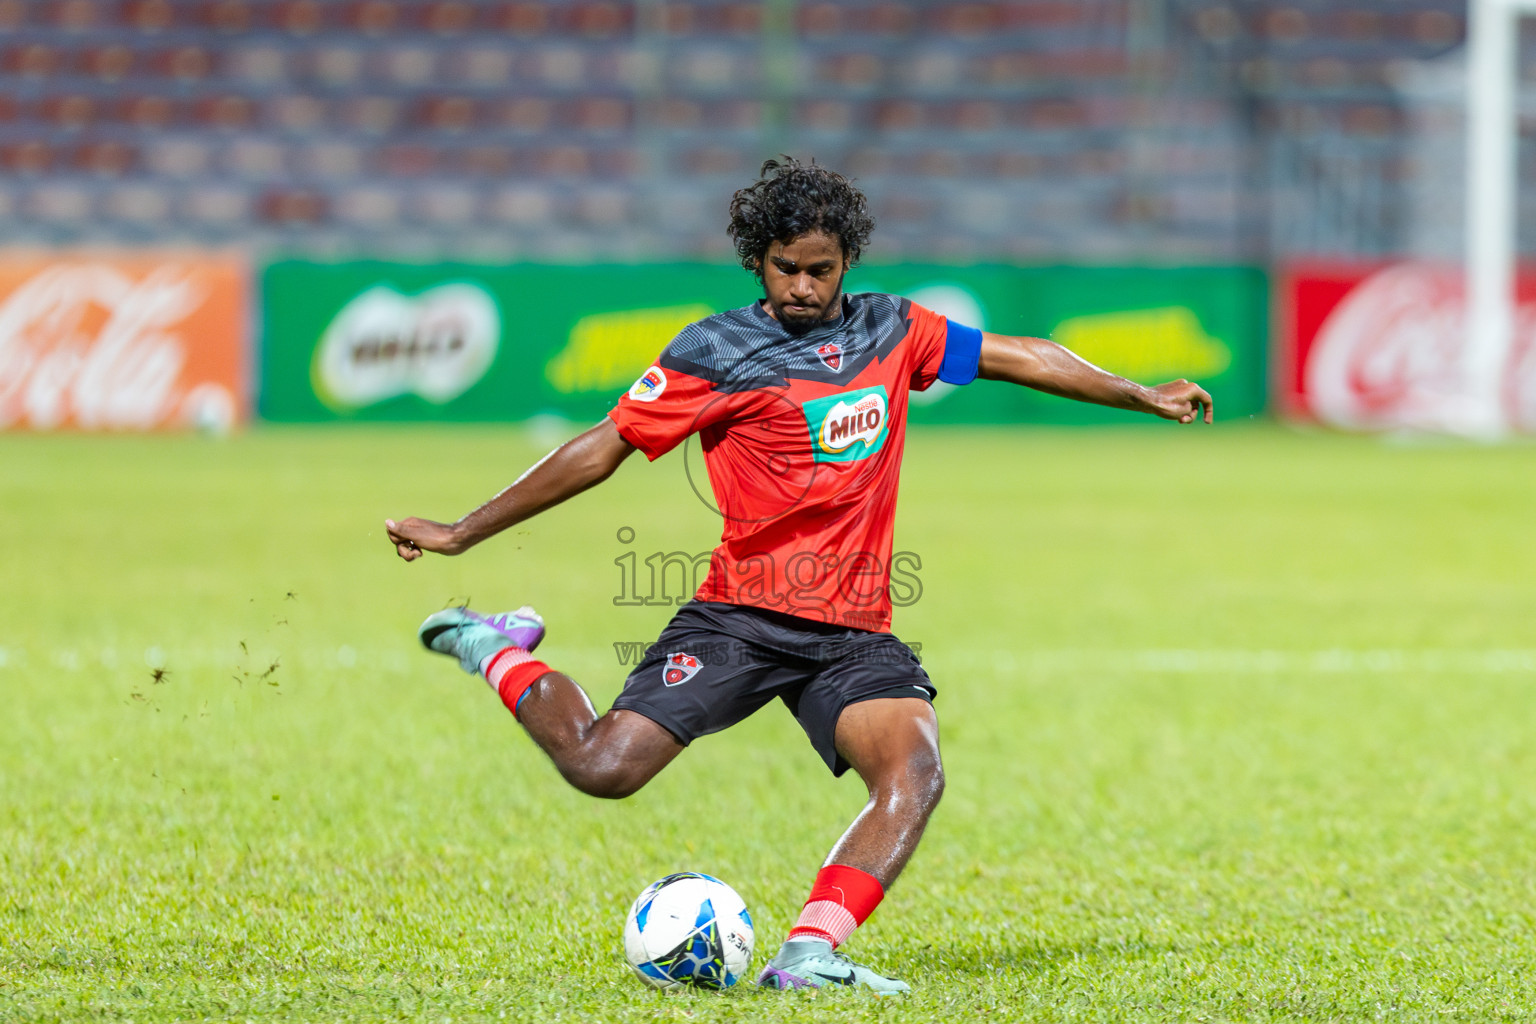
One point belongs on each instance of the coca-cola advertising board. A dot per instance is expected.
(122, 341)
(1381, 347)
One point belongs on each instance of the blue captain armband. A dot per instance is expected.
(962, 354)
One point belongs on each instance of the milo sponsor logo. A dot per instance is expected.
(849, 426)
(1146, 344)
(383, 345)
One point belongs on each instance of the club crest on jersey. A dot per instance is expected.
(849, 426)
(831, 354)
(650, 385)
(679, 668)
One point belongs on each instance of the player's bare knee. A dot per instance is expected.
(926, 788)
(609, 784)
(920, 783)
(913, 787)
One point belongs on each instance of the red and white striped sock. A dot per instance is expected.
(841, 900)
(511, 671)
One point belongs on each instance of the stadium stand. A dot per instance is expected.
(1010, 129)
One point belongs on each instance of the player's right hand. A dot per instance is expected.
(412, 536)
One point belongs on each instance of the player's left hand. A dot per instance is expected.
(412, 536)
(1180, 400)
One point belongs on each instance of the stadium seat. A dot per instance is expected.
(299, 113)
(70, 111)
(559, 66)
(149, 16)
(228, 16)
(832, 116)
(445, 206)
(108, 63)
(372, 115)
(373, 17)
(602, 20)
(58, 202)
(333, 159)
(375, 207)
(482, 66)
(407, 160)
(447, 113)
(228, 112)
(336, 65)
(450, 18)
(524, 19)
(105, 158)
(34, 60)
(602, 115)
(257, 65)
(137, 203)
(147, 112)
(178, 157)
(563, 162)
(216, 205)
(185, 63)
(30, 156)
(522, 205)
(1287, 25)
(409, 65)
(964, 19)
(524, 116)
(75, 15)
(604, 207)
(300, 17)
(820, 20)
(489, 162)
(256, 159)
(715, 160)
(292, 206)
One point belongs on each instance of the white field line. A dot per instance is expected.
(1044, 661)
(1237, 661)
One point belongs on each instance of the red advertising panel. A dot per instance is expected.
(1380, 347)
(138, 341)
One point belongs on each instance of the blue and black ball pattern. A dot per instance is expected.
(699, 959)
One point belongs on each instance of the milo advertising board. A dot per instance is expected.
(381, 341)
(1207, 324)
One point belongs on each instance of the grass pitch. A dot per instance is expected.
(1237, 725)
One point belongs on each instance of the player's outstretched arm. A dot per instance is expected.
(1046, 366)
(585, 460)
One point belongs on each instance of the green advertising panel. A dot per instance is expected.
(1207, 324)
(387, 341)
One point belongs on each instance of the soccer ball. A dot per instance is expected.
(688, 929)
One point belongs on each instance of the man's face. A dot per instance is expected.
(803, 280)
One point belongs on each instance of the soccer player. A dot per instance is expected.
(800, 401)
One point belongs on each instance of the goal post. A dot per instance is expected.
(1492, 133)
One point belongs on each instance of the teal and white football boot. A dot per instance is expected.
(463, 634)
(813, 963)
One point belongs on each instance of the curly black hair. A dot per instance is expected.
(792, 199)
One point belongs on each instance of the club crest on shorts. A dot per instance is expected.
(831, 354)
(679, 668)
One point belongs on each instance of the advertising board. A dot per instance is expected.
(1380, 347)
(141, 341)
(379, 341)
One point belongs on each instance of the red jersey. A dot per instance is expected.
(803, 437)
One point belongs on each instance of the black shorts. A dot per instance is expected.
(717, 663)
